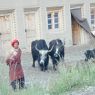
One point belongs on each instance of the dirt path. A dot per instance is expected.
(35, 76)
(83, 91)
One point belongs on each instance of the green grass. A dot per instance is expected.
(74, 77)
(69, 78)
(5, 88)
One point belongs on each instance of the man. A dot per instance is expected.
(15, 69)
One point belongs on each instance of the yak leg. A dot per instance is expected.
(55, 65)
(46, 68)
(33, 63)
(46, 65)
(41, 67)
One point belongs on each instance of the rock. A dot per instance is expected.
(84, 91)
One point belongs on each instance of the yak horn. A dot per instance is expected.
(36, 48)
(61, 46)
(51, 49)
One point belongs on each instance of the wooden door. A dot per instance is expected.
(5, 34)
(75, 32)
(30, 29)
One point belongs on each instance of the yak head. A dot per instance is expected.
(43, 58)
(57, 49)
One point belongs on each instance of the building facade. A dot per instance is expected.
(28, 20)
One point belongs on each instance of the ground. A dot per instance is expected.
(34, 76)
(83, 91)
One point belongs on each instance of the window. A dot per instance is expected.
(53, 20)
(49, 21)
(92, 18)
(56, 20)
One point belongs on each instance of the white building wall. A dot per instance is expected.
(85, 5)
(45, 34)
(20, 20)
(66, 32)
(67, 24)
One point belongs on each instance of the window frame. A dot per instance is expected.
(92, 19)
(53, 23)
